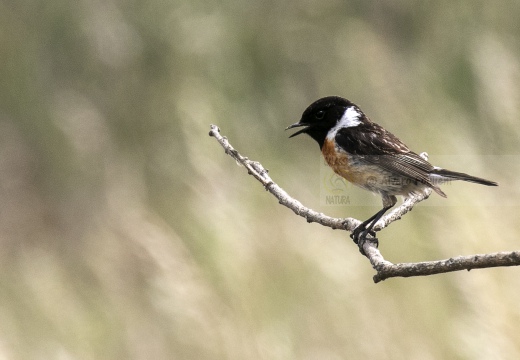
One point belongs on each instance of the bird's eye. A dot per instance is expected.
(320, 114)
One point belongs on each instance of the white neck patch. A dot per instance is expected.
(351, 117)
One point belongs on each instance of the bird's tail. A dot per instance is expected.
(446, 175)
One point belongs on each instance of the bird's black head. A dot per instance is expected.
(323, 115)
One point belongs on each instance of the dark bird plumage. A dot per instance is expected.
(371, 157)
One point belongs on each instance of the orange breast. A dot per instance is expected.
(337, 160)
(343, 165)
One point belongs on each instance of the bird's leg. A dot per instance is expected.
(359, 235)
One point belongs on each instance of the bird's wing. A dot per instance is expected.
(380, 147)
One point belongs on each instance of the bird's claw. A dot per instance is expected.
(360, 232)
(359, 235)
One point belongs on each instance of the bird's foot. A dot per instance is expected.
(361, 232)
(363, 240)
(359, 235)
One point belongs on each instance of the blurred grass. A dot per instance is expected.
(127, 233)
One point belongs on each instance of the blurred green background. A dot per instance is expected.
(127, 233)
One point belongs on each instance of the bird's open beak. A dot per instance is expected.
(297, 125)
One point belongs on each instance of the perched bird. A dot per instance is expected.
(367, 155)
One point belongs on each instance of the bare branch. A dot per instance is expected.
(256, 169)
(398, 212)
(385, 269)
